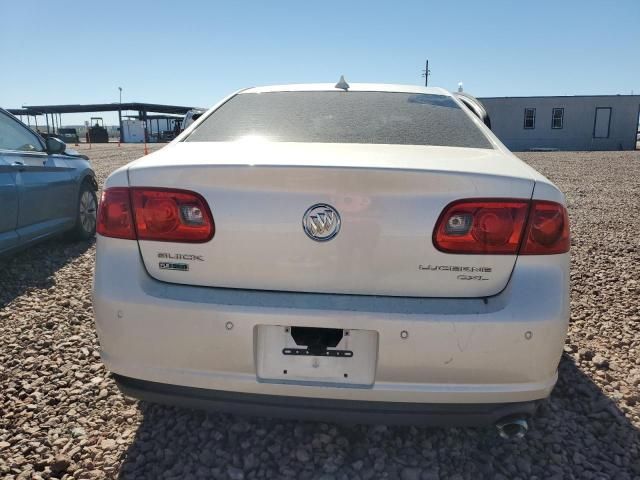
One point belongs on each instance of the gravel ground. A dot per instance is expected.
(62, 416)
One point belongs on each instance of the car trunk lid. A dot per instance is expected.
(388, 199)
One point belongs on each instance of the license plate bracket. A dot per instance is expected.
(327, 353)
(351, 361)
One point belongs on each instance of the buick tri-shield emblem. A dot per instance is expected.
(321, 222)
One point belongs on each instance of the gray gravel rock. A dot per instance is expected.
(59, 465)
(410, 474)
(63, 417)
(302, 455)
(599, 361)
(235, 473)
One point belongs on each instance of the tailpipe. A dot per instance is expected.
(512, 428)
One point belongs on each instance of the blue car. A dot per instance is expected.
(45, 190)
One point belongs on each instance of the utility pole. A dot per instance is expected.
(120, 133)
(426, 74)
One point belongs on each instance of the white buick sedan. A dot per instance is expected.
(363, 253)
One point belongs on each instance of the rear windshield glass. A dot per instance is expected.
(342, 117)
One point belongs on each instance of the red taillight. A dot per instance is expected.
(115, 218)
(547, 229)
(158, 214)
(498, 227)
(171, 215)
(481, 226)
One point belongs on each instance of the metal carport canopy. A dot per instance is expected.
(19, 111)
(105, 107)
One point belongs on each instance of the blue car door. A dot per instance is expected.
(8, 206)
(46, 189)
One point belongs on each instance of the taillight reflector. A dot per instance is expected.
(547, 229)
(158, 214)
(115, 218)
(498, 227)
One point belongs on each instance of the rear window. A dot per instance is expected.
(342, 117)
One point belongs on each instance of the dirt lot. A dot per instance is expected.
(62, 416)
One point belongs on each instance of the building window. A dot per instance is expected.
(557, 118)
(602, 122)
(529, 118)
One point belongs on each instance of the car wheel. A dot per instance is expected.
(86, 212)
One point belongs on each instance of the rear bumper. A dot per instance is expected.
(343, 411)
(503, 349)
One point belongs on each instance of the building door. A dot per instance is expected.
(602, 122)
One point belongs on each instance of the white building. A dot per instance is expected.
(599, 122)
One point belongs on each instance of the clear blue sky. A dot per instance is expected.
(193, 53)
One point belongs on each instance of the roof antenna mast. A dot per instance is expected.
(342, 83)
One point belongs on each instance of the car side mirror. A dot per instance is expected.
(55, 145)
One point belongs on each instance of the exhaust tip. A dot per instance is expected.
(512, 428)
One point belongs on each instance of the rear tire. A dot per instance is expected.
(86, 213)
